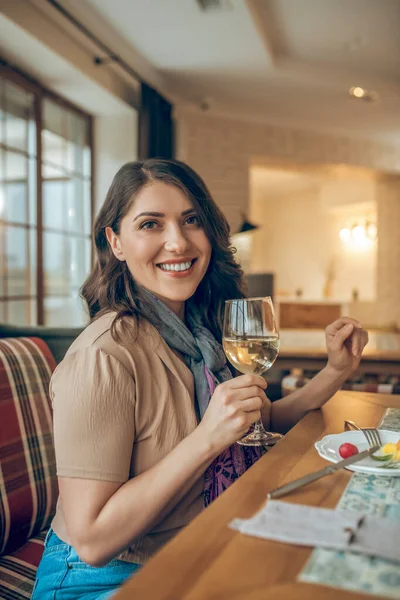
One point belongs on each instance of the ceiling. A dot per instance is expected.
(285, 62)
(288, 62)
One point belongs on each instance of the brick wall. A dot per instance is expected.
(388, 270)
(221, 148)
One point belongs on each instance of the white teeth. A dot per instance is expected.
(176, 267)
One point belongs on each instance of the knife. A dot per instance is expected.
(306, 479)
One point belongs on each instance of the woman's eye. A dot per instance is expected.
(192, 220)
(148, 225)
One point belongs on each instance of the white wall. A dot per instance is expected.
(299, 241)
(388, 286)
(293, 241)
(355, 267)
(115, 142)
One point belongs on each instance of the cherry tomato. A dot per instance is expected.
(346, 450)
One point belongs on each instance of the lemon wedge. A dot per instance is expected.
(389, 449)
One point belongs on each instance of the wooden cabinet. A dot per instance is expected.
(302, 315)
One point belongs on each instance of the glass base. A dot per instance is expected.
(260, 438)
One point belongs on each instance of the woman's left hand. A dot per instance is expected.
(345, 341)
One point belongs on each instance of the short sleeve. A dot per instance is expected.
(94, 405)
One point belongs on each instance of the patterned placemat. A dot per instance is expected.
(391, 420)
(372, 495)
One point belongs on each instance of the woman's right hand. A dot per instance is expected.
(233, 408)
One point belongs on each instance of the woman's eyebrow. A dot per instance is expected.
(158, 214)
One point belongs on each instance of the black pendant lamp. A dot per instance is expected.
(246, 225)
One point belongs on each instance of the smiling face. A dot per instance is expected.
(165, 248)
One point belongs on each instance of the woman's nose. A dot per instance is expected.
(176, 241)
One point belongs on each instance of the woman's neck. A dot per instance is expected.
(177, 307)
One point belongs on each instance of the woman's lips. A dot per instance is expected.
(179, 274)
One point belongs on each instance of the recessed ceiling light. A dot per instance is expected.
(358, 92)
(362, 94)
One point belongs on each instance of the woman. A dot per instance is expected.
(146, 411)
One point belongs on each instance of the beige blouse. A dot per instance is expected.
(118, 410)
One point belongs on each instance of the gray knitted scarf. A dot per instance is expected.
(193, 340)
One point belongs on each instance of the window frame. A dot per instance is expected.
(40, 93)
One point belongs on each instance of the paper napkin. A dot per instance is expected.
(324, 527)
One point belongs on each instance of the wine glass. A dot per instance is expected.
(251, 344)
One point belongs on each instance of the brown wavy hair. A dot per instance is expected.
(111, 287)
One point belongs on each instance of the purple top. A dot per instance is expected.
(229, 465)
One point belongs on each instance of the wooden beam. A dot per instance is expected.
(265, 28)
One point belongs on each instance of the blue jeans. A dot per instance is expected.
(62, 575)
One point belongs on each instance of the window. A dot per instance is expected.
(45, 205)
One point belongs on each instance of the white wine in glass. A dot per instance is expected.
(251, 344)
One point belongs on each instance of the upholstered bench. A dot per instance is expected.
(28, 483)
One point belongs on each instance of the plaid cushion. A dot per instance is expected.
(28, 483)
(18, 570)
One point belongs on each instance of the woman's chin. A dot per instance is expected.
(175, 295)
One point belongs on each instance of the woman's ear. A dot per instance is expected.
(115, 244)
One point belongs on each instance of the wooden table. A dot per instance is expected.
(209, 561)
(305, 349)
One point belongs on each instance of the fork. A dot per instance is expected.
(371, 433)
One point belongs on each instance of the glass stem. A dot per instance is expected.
(259, 427)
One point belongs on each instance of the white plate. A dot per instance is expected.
(328, 448)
